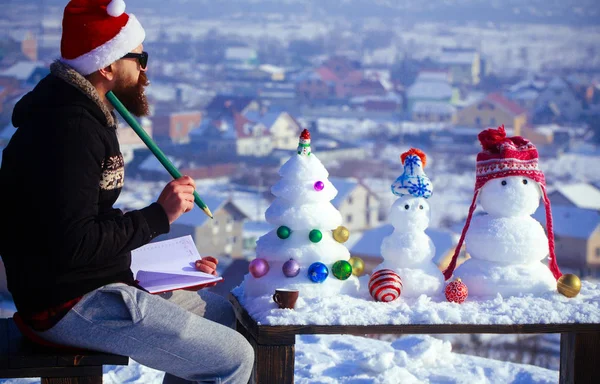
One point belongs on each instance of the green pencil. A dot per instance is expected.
(152, 146)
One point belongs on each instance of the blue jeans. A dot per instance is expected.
(186, 334)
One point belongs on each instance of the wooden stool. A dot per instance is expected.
(20, 357)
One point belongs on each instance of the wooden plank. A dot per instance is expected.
(272, 363)
(587, 358)
(59, 372)
(90, 358)
(25, 354)
(567, 358)
(3, 343)
(73, 380)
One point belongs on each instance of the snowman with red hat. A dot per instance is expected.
(507, 246)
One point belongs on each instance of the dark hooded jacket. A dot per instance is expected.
(60, 175)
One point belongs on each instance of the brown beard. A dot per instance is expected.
(133, 97)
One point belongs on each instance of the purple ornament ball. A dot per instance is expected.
(291, 268)
(258, 268)
(319, 185)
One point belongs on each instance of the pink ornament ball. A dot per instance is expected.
(319, 185)
(385, 285)
(258, 268)
(457, 292)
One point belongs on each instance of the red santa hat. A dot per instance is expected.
(502, 157)
(96, 33)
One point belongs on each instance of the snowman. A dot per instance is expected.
(507, 246)
(408, 251)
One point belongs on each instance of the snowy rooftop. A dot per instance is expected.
(240, 53)
(583, 195)
(433, 107)
(21, 70)
(344, 188)
(430, 90)
(197, 217)
(466, 57)
(570, 221)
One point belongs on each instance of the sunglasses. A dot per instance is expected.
(142, 58)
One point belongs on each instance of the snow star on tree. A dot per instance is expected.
(301, 252)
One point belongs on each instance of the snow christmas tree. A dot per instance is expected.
(305, 250)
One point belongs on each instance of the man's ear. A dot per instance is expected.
(108, 72)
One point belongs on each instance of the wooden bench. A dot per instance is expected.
(275, 353)
(19, 357)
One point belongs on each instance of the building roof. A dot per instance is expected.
(240, 53)
(222, 103)
(327, 75)
(570, 221)
(196, 217)
(433, 107)
(430, 90)
(370, 242)
(502, 102)
(344, 186)
(433, 75)
(256, 229)
(463, 56)
(268, 118)
(582, 195)
(22, 70)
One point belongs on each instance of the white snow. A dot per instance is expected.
(361, 309)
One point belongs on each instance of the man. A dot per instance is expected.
(66, 249)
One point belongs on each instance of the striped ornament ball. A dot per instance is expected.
(385, 285)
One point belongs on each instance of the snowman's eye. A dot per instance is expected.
(525, 181)
(503, 182)
(420, 207)
(407, 206)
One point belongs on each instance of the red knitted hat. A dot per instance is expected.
(96, 33)
(502, 157)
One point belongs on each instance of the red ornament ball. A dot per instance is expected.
(457, 291)
(385, 285)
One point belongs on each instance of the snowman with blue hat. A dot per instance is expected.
(409, 251)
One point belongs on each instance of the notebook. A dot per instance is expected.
(168, 265)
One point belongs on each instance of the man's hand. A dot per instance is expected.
(177, 197)
(207, 264)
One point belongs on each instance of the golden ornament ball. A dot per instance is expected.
(341, 234)
(358, 265)
(568, 285)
